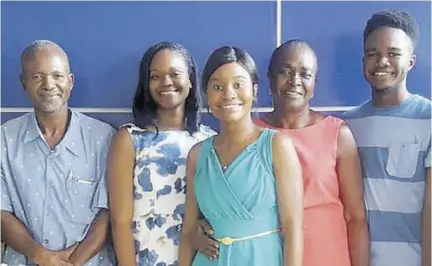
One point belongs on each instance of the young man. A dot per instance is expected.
(393, 134)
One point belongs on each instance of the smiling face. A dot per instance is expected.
(388, 57)
(292, 78)
(230, 93)
(169, 79)
(47, 80)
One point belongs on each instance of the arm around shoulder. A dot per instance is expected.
(289, 188)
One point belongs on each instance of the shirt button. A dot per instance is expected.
(46, 241)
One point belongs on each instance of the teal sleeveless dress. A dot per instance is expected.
(240, 202)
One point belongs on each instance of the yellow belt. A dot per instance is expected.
(229, 240)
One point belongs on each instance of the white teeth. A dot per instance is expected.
(292, 93)
(167, 92)
(230, 106)
(381, 74)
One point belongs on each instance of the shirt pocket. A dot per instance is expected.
(80, 192)
(402, 159)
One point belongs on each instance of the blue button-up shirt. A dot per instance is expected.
(56, 193)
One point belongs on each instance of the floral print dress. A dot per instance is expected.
(159, 192)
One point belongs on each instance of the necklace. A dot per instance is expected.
(225, 165)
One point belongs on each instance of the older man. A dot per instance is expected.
(54, 197)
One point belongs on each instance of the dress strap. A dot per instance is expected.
(203, 153)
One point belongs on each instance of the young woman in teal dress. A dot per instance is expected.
(246, 181)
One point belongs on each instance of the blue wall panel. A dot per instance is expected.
(335, 31)
(105, 42)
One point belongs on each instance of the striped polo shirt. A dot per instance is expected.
(395, 150)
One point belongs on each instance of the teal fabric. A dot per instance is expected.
(240, 202)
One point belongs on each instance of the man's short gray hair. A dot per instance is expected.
(40, 45)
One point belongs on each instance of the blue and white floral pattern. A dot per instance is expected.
(159, 192)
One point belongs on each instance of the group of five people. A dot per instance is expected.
(295, 187)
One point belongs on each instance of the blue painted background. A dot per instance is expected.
(105, 42)
(335, 31)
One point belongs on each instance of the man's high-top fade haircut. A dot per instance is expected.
(393, 19)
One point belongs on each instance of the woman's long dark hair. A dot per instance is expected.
(144, 107)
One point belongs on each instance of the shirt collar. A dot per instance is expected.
(72, 140)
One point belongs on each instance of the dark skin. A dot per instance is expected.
(169, 87)
(202, 237)
(388, 58)
(47, 80)
(292, 81)
(230, 95)
(16, 236)
(296, 71)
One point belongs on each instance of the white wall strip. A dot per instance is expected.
(127, 110)
(278, 23)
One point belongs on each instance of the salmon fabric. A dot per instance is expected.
(325, 232)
